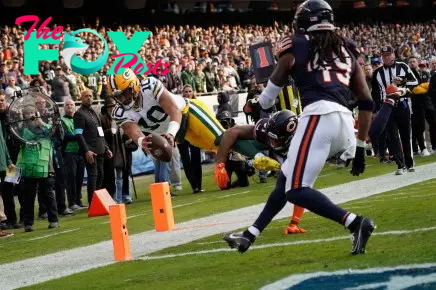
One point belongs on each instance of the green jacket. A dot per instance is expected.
(70, 136)
(5, 160)
(35, 160)
(188, 78)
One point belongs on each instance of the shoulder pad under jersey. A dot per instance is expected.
(283, 46)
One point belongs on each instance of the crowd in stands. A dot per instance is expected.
(210, 59)
(202, 60)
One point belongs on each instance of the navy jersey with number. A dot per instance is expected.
(321, 81)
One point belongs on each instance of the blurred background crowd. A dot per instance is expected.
(210, 59)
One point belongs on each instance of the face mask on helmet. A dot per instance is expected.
(281, 129)
(125, 98)
(278, 144)
(227, 123)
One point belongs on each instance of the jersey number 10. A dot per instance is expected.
(338, 69)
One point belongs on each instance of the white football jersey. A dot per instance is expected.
(147, 112)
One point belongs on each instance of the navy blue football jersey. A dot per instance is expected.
(260, 133)
(321, 81)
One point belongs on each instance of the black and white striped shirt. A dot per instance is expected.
(383, 76)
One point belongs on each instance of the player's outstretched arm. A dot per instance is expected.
(366, 105)
(170, 107)
(278, 80)
(244, 132)
(132, 130)
(228, 141)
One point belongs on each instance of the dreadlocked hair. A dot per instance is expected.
(327, 45)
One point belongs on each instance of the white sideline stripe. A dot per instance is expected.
(186, 204)
(54, 234)
(227, 195)
(139, 214)
(284, 244)
(327, 174)
(128, 217)
(24, 273)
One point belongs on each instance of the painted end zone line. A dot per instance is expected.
(285, 244)
(227, 195)
(54, 234)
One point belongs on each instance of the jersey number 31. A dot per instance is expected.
(336, 69)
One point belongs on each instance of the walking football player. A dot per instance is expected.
(324, 67)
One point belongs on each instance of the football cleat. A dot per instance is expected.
(294, 229)
(265, 163)
(360, 236)
(240, 241)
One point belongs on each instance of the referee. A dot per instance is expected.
(399, 73)
(289, 99)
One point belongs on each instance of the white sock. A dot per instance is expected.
(350, 219)
(254, 231)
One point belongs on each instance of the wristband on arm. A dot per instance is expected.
(365, 105)
(173, 128)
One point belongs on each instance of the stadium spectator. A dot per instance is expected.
(3, 224)
(5, 164)
(115, 166)
(127, 173)
(37, 174)
(175, 84)
(59, 172)
(175, 171)
(72, 82)
(92, 144)
(8, 189)
(188, 77)
(93, 82)
(73, 161)
(11, 88)
(210, 77)
(191, 155)
(60, 84)
(422, 110)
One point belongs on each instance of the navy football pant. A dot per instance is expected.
(306, 197)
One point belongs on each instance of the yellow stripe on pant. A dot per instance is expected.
(287, 100)
(202, 127)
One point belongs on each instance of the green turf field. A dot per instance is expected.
(405, 234)
(80, 230)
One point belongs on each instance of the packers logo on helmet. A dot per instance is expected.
(127, 74)
(117, 84)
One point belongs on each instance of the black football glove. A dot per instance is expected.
(358, 166)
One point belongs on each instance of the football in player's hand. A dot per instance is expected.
(160, 149)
